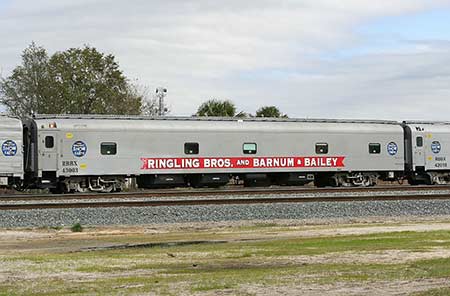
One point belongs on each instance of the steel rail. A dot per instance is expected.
(205, 202)
(225, 191)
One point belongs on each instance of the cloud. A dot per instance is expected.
(253, 52)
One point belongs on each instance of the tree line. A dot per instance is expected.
(86, 81)
(226, 108)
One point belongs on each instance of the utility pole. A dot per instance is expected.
(161, 93)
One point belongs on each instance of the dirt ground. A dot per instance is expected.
(15, 243)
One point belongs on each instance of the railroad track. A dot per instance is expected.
(213, 192)
(83, 203)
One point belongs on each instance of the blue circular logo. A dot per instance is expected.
(392, 148)
(9, 148)
(436, 147)
(79, 149)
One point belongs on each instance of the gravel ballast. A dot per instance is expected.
(218, 213)
(100, 198)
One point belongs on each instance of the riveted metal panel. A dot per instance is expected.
(79, 141)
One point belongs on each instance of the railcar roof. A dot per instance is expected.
(229, 119)
(427, 122)
(10, 123)
(214, 124)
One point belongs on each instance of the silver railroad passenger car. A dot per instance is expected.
(97, 153)
(428, 152)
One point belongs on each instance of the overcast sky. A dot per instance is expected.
(311, 58)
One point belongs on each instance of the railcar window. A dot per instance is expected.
(49, 142)
(108, 148)
(419, 141)
(191, 148)
(374, 148)
(249, 148)
(321, 148)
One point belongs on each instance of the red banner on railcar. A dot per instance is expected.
(242, 162)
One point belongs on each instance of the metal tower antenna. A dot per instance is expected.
(161, 93)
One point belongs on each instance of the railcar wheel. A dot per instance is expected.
(366, 182)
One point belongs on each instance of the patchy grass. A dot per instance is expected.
(208, 286)
(434, 292)
(212, 267)
(207, 277)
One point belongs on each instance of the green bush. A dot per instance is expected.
(76, 227)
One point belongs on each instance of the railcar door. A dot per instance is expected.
(419, 150)
(49, 154)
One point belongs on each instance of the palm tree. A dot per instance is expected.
(215, 107)
(269, 111)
